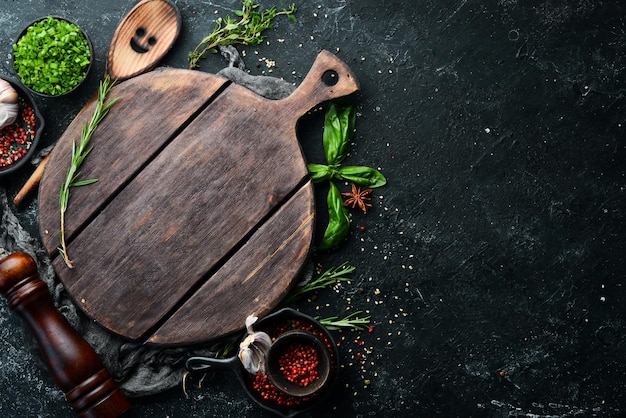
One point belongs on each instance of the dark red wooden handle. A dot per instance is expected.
(73, 363)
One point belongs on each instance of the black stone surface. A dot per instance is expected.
(492, 264)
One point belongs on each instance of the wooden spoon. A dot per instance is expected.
(141, 40)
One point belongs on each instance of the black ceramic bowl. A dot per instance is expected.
(25, 100)
(48, 60)
(281, 346)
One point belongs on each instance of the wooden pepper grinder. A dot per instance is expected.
(73, 363)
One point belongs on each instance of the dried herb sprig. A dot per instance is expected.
(248, 30)
(328, 278)
(79, 153)
(351, 321)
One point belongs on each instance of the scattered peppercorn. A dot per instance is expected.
(269, 393)
(16, 139)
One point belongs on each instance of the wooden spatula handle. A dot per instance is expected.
(74, 365)
(31, 184)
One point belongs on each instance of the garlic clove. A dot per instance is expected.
(9, 107)
(8, 114)
(253, 348)
(250, 320)
(7, 93)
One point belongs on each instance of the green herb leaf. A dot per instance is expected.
(338, 219)
(83, 183)
(351, 321)
(362, 175)
(339, 125)
(319, 172)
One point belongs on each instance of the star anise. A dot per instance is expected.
(358, 198)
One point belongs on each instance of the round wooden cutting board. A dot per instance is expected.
(203, 212)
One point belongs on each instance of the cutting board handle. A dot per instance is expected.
(329, 78)
(73, 363)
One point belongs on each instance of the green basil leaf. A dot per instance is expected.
(339, 125)
(338, 219)
(319, 172)
(364, 176)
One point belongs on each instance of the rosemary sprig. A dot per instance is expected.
(351, 321)
(79, 153)
(328, 278)
(245, 31)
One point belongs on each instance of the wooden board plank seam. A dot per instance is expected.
(305, 223)
(236, 248)
(151, 158)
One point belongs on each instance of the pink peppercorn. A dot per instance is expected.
(299, 364)
(15, 139)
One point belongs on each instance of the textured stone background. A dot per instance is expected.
(492, 263)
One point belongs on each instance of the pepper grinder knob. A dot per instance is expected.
(72, 362)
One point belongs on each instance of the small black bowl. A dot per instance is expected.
(280, 346)
(24, 99)
(87, 70)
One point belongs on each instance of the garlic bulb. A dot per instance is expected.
(9, 107)
(253, 348)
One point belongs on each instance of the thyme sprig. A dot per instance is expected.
(79, 153)
(351, 321)
(328, 278)
(248, 30)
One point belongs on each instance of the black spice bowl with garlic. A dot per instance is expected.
(269, 365)
(21, 125)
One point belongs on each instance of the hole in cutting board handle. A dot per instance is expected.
(330, 78)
